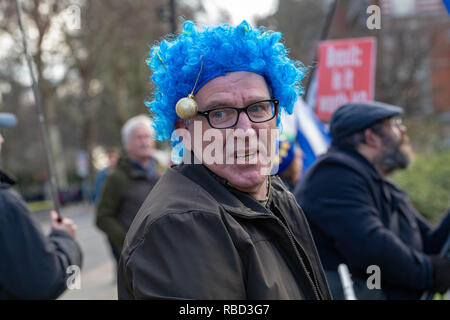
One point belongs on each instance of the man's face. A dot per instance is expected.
(1, 142)
(245, 150)
(140, 144)
(396, 152)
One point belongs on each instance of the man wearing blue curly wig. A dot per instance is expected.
(218, 226)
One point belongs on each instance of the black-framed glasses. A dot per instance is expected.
(227, 117)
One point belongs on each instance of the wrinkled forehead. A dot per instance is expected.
(237, 84)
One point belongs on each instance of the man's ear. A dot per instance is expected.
(182, 129)
(372, 139)
(180, 124)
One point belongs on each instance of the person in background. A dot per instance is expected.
(32, 265)
(290, 163)
(113, 157)
(127, 186)
(360, 218)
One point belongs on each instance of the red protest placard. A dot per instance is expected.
(346, 74)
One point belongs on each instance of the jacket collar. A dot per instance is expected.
(220, 189)
(6, 180)
(389, 190)
(336, 148)
(134, 169)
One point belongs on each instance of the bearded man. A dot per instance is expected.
(360, 218)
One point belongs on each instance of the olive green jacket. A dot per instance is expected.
(122, 195)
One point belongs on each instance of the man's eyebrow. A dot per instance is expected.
(223, 103)
(218, 103)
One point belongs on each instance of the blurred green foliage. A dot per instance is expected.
(427, 181)
(45, 205)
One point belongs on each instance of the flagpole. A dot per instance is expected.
(42, 124)
(323, 36)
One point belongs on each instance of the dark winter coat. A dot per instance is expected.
(122, 195)
(196, 237)
(360, 219)
(32, 265)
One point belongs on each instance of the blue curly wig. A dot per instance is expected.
(224, 49)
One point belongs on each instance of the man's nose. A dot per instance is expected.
(244, 122)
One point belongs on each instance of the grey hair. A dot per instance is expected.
(132, 123)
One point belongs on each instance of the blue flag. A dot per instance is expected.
(447, 5)
(304, 128)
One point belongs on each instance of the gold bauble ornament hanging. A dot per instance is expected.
(186, 108)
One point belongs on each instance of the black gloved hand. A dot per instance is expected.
(441, 273)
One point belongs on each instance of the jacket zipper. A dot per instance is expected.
(288, 232)
(295, 243)
(291, 238)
